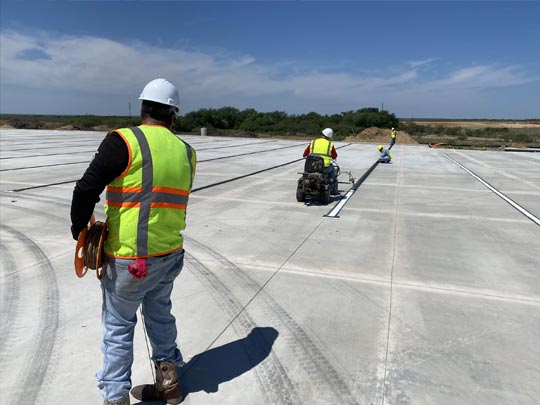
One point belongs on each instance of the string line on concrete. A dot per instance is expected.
(262, 287)
(390, 306)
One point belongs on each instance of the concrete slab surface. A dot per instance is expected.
(424, 290)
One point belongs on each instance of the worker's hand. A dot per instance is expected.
(75, 233)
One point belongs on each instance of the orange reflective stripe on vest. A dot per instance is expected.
(146, 205)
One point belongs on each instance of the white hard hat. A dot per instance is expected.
(161, 91)
(328, 132)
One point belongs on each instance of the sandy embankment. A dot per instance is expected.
(380, 135)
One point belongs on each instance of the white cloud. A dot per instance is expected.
(424, 62)
(488, 76)
(100, 67)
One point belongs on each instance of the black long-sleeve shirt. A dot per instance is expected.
(110, 161)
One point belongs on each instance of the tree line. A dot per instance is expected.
(226, 120)
(280, 123)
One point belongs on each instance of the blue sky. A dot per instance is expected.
(434, 59)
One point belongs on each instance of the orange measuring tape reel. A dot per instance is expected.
(89, 249)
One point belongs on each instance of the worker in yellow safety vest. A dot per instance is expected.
(324, 147)
(393, 134)
(148, 174)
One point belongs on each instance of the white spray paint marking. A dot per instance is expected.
(335, 211)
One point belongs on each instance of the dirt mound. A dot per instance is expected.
(380, 135)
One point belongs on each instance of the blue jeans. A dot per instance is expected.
(122, 295)
(331, 172)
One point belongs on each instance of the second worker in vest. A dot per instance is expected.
(148, 173)
(393, 134)
(385, 156)
(324, 147)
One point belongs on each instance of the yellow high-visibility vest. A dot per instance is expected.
(322, 147)
(146, 205)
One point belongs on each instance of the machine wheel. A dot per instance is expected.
(325, 195)
(300, 195)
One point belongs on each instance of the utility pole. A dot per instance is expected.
(382, 107)
(129, 108)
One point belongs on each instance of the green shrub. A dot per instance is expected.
(522, 138)
(87, 121)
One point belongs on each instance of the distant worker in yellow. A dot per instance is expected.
(393, 134)
(385, 156)
(324, 147)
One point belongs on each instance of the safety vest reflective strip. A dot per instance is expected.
(147, 196)
(120, 196)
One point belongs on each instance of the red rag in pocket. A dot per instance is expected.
(138, 269)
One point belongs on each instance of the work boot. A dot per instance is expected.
(122, 401)
(166, 387)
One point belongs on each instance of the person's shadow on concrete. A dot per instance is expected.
(207, 370)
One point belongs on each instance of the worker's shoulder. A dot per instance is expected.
(187, 145)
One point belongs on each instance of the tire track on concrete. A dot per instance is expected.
(36, 211)
(271, 374)
(9, 298)
(371, 388)
(320, 370)
(38, 197)
(36, 361)
(273, 378)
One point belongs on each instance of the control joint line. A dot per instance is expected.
(514, 204)
(199, 161)
(234, 146)
(333, 213)
(194, 190)
(249, 153)
(252, 173)
(243, 176)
